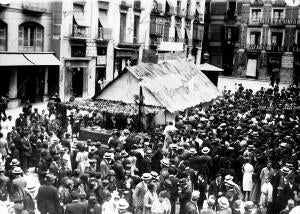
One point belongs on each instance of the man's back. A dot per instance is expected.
(76, 207)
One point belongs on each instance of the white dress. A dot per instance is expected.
(247, 178)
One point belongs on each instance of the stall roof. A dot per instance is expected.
(209, 67)
(175, 85)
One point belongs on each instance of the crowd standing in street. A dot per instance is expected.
(233, 157)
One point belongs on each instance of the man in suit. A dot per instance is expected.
(184, 193)
(26, 151)
(47, 197)
(192, 207)
(289, 188)
(4, 184)
(217, 187)
(76, 206)
(174, 189)
(139, 193)
(104, 165)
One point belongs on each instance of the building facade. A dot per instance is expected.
(29, 69)
(259, 35)
(96, 39)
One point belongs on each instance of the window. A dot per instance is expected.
(255, 38)
(31, 37)
(231, 10)
(78, 50)
(278, 14)
(123, 27)
(188, 7)
(178, 7)
(136, 29)
(3, 32)
(276, 39)
(256, 15)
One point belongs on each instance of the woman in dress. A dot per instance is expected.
(248, 170)
(149, 198)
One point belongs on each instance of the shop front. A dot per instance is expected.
(25, 77)
(76, 77)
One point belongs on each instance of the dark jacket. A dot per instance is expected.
(29, 204)
(47, 199)
(26, 147)
(214, 189)
(76, 207)
(184, 197)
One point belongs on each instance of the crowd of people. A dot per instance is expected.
(238, 156)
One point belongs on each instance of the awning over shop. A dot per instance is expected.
(42, 59)
(14, 60)
(79, 17)
(103, 19)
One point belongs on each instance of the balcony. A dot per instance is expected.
(254, 21)
(156, 29)
(104, 33)
(79, 32)
(197, 42)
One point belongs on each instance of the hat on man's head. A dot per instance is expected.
(228, 178)
(205, 150)
(146, 176)
(14, 162)
(107, 155)
(165, 162)
(248, 205)
(285, 170)
(30, 187)
(17, 170)
(223, 202)
(122, 204)
(154, 175)
(193, 151)
(195, 194)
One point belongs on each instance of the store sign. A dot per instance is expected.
(287, 60)
(101, 60)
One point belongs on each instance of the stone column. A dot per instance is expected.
(45, 96)
(37, 85)
(13, 89)
(198, 59)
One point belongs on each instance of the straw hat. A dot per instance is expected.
(223, 202)
(122, 204)
(146, 176)
(205, 150)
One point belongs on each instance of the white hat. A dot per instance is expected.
(205, 150)
(195, 194)
(223, 202)
(122, 204)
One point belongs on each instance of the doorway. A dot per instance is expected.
(77, 82)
